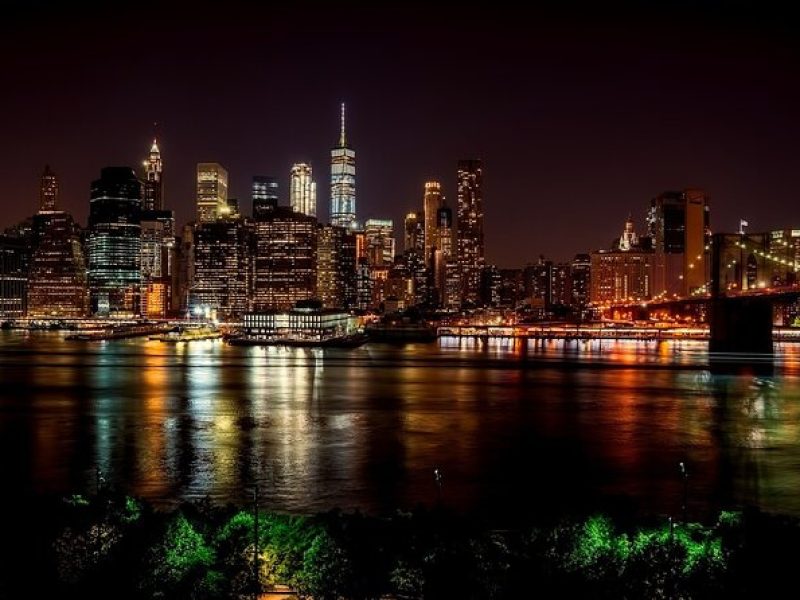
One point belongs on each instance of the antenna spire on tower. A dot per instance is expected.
(342, 138)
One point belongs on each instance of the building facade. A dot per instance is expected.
(285, 273)
(114, 244)
(264, 195)
(153, 188)
(212, 192)
(303, 190)
(221, 252)
(470, 229)
(343, 181)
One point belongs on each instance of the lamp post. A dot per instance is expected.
(685, 475)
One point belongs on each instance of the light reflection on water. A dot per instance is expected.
(516, 429)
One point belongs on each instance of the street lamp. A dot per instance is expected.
(685, 475)
(437, 477)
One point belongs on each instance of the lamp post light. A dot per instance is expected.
(685, 475)
(437, 477)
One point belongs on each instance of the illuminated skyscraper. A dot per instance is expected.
(343, 182)
(414, 238)
(303, 190)
(212, 192)
(432, 202)
(470, 229)
(581, 282)
(221, 269)
(285, 259)
(48, 195)
(445, 267)
(264, 195)
(57, 283)
(379, 234)
(115, 242)
(153, 195)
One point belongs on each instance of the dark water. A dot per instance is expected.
(514, 433)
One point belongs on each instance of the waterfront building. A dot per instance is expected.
(306, 322)
(57, 277)
(115, 243)
(580, 274)
(221, 252)
(679, 225)
(14, 259)
(285, 243)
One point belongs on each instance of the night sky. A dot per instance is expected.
(581, 115)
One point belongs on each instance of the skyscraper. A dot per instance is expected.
(48, 194)
(221, 269)
(264, 195)
(336, 266)
(57, 284)
(115, 242)
(212, 192)
(432, 202)
(445, 267)
(470, 228)
(285, 260)
(343, 181)
(303, 190)
(379, 235)
(414, 238)
(153, 195)
(678, 222)
(14, 257)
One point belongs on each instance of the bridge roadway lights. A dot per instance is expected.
(741, 335)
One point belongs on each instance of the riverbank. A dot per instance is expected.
(118, 546)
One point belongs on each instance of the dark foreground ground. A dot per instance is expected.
(112, 546)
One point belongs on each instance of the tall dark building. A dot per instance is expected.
(221, 269)
(13, 277)
(153, 187)
(264, 195)
(57, 280)
(678, 223)
(470, 229)
(581, 286)
(336, 267)
(115, 242)
(285, 259)
(48, 194)
(491, 282)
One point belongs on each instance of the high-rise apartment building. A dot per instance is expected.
(303, 190)
(212, 192)
(470, 229)
(343, 181)
(14, 258)
(115, 242)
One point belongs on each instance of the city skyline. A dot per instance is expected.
(712, 113)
